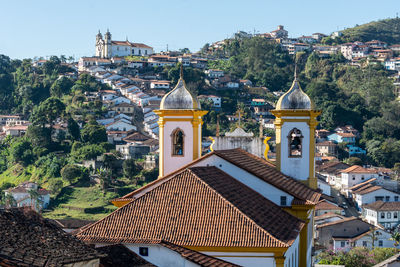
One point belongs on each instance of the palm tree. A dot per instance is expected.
(9, 201)
(396, 238)
(35, 199)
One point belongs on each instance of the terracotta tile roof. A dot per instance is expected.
(327, 215)
(360, 185)
(325, 205)
(200, 206)
(261, 168)
(332, 167)
(121, 256)
(346, 134)
(347, 219)
(27, 239)
(136, 137)
(383, 206)
(267, 171)
(358, 169)
(365, 189)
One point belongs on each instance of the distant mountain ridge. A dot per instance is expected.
(386, 30)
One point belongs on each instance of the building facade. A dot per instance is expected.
(107, 48)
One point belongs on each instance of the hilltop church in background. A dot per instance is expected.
(108, 48)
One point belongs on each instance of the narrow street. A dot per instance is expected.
(348, 206)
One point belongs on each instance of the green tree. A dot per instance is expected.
(93, 133)
(21, 152)
(71, 173)
(130, 169)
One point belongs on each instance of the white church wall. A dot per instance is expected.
(172, 163)
(246, 259)
(161, 256)
(266, 190)
(292, 254)
(296, 167)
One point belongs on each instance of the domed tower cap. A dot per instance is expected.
(180, 97)
(295, 98)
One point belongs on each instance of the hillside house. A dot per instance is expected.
(382, 213)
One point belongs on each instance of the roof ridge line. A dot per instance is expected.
(239, 211)
(168, 175)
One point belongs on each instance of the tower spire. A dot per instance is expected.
(181, 72)
(295, 70)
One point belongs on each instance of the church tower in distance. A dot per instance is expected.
(295, 135)
(107, 44)
(180, 120)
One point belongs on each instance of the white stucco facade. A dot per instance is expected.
(296, 167)
(266, 190)
(380, 194)
(171, 162)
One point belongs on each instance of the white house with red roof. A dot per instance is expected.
(23, 196)
(355, 175)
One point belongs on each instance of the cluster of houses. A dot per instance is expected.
(12, 125)
(361, 206)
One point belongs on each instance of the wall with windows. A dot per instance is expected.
(351, 179)
(380, 194)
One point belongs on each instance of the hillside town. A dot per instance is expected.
(280, 192)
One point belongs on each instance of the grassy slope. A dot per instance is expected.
(387, 30)
(15, 175)
(72, 202)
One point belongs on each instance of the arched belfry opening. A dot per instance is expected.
(295, 143)
(178, 142)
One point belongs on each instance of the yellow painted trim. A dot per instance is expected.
(296, 112)
(212, 144)
(180, 112)
(120, 203)
(278, 140)
(280, 262)
(266, 147)
(278, 251)
(303, 246)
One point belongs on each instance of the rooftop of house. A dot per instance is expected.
(383, 206)
(27, 239)
(325, 205)
(358, 169)
(332, 167)
(348, 135)
(264, 170)
(327, 216)
(214, 209)
(349, 227)
(136, 137)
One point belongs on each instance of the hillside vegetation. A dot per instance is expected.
(386, 30)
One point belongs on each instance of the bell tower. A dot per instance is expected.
(107, 45)
(295, 135)
(180, 120)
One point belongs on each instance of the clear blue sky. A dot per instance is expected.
(54, 27)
